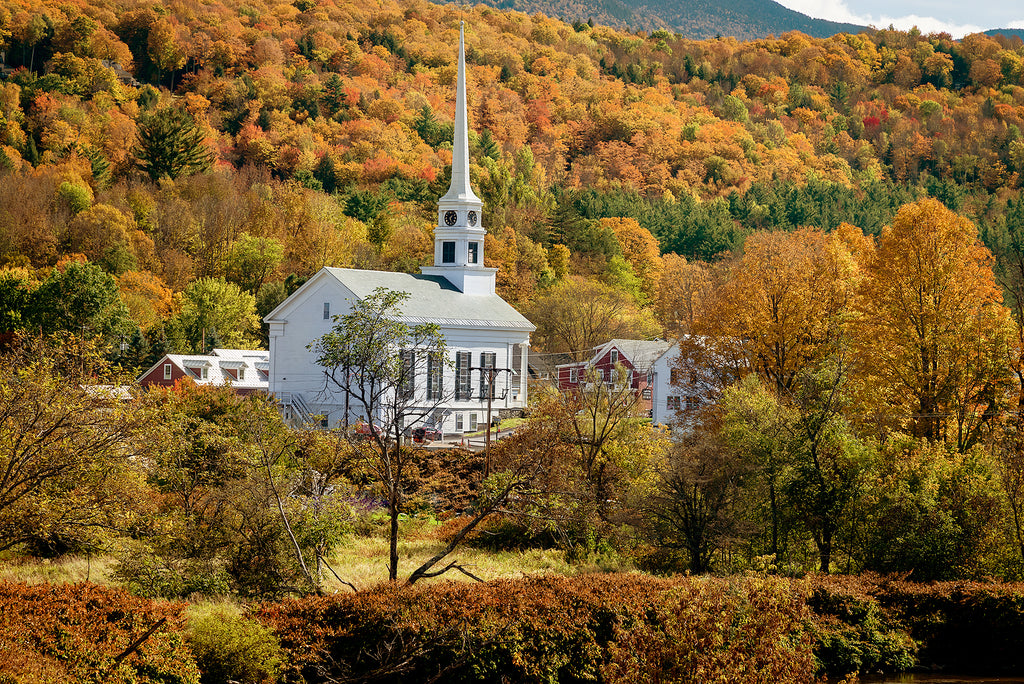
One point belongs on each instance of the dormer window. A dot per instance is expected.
(474, 251)
(447, 252)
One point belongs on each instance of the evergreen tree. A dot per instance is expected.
(171, 144)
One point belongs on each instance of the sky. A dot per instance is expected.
(957, 17)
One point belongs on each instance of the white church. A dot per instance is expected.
(456, 293)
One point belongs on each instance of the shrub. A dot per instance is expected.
(972, 627)
(150, 576)
(737, 631)
(548, 629)
(853, 633)
(76, 633)
(228, 647)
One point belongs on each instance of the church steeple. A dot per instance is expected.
(460, 189)
(459, 235)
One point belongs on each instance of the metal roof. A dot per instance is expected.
(433, 299)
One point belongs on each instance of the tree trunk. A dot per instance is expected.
(775, 519)
(825, 551)
(395, 506)
(393, 534)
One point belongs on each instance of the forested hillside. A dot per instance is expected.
(204, 158)
(741, 19)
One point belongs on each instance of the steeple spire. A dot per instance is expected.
(460, 189)
(459, 236)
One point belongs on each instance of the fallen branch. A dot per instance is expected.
(347, 584)
(135, 645)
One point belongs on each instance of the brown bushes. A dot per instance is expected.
(612, 628)
(76, 633)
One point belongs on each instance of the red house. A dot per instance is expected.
(247, 371)
(634, 358)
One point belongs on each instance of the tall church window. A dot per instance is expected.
(487, 365)
(408, 379)
(517, 369)
(435, 376)
(447, 252)
(463, 386)
(474, 249)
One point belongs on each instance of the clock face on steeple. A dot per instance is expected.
(450, 218)
(471, 218)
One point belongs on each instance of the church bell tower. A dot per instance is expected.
(459, 235)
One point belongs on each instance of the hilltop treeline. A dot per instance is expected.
(246, 143)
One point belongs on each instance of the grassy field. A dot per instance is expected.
(63, 570)
(361, 559)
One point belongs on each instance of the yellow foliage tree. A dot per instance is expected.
(931, 333)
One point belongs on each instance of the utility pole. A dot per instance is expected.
(491, 373)
(487, 442)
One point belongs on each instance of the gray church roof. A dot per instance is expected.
(432, 299)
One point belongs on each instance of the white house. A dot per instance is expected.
(667, 398)
(457, 293)
(678, 388)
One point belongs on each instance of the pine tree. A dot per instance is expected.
(171, 144)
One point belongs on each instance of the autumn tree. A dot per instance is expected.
(699, 504)
(82, 299)
(64, 448)
(239, 503)
(776, 310)
(250, 260)
(597, 463)
(932, 335)
(682, 289)
(1009, 269)
(369, 357)
(213, 307)
(756, 424)
(576, 315)
(640, 250)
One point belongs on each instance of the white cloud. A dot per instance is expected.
(836, 10)
(1019, 24)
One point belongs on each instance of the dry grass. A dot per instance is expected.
(363, 560)
(63, 570)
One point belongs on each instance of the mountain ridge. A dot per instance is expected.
(694, 19)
